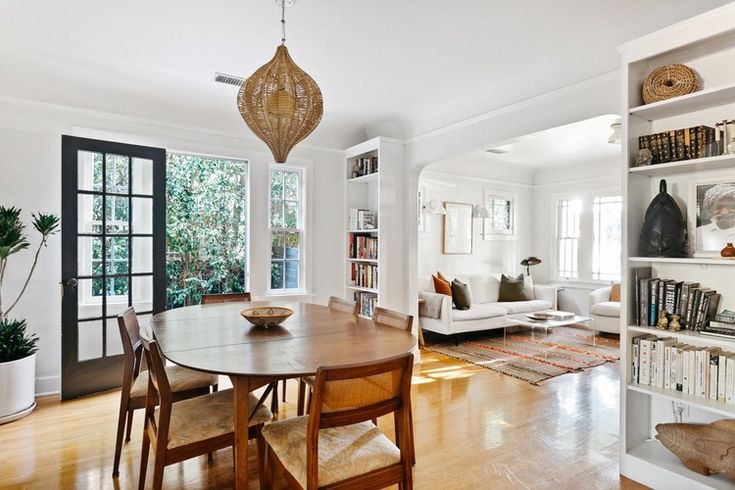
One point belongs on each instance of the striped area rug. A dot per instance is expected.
(533, 358)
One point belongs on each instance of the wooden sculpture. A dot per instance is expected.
(704, 448)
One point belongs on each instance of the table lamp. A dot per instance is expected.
(528, 262)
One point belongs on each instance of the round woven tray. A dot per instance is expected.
(669, 81)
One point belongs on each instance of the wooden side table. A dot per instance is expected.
(418, 324)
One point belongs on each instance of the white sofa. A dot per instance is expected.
(485, 312)
(605, 314)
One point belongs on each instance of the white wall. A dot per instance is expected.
(30, 165)
(549, 184)
(498, 255)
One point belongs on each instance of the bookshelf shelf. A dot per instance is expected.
(375, 230)
(365, 179)
(686, 166)
(660, 466)
(363, 290)
(366, 261)
(677, 396)
(682, 261)
(697, 101)
(688, 336)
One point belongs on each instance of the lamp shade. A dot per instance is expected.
(530, 261)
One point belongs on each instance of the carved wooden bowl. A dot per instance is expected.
(266, 316)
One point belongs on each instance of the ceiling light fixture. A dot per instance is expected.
(280, 102)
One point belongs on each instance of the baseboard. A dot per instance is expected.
(50, 385)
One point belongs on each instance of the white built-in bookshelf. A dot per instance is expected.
(374, 232)
(707, 44)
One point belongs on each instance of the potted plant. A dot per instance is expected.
(17, 347)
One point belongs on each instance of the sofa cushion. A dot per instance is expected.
(484, 287)
(528, 285)
(516, 307)
(615, 292)
(441, 286)
(512, 289)
(461, 295)
(478, 312)
(606, 308)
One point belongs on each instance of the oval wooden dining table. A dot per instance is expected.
(217, 339)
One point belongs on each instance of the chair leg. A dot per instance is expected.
(144, 459)
(210, 458)
(284, 390)
(121, 416)
(274, 399)
(158, 468)
(302, 396)
(266, 482)
(261, 455)
(308, 402)
(130, 426)
(215, 387)
(411, 441)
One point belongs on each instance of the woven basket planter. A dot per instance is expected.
(669, 81)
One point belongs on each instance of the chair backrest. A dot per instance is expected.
(344, 305)
(157, 372)
(208, 299)
(384, 316)
(132, 344)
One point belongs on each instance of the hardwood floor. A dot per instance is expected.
(474, 429)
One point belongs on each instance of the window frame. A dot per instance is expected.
(301, 229)
(595, 230)
(489, 232)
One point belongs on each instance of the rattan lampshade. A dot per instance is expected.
(281, 103)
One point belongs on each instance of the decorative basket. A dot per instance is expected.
(669, 81)
(266, 316)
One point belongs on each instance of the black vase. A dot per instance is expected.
(664, 231)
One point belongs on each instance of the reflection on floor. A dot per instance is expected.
(474, 429)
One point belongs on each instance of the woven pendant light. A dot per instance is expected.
(280, 102)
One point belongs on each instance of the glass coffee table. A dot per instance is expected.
(522, 320)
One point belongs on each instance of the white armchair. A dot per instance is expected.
(605, 314)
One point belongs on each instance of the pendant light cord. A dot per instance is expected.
(283, 22)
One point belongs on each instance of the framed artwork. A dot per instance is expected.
(712, 216)
(457, 233)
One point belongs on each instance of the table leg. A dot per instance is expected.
(421, 334)
(241, 387)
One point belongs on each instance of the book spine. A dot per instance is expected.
(713, 376)
(685, 370)
(645, 362)
(660, 354)
(730, 380)
(636, 359)
(679, 368)
(667, 366)
(721, 376)
(644, 302)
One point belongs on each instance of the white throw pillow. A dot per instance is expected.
(528, 286)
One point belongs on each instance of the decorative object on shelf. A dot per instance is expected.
(676, 145)
(266, 316)
(728, 128)
(713, 216)
(664, 232)
(663, 322)
(529, 262)
(674, 324)
(616, 137)
(666, 82)
(17, 347)
(457, 232)
(280, 102)
(645, 157)
(703, 448)
(728, 252)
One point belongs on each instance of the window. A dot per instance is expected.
(286, 229)
(568, 237)
(500, 221)
(607, 213)
(589, 237)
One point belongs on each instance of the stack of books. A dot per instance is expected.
(682, 144)
(723, 325)
(364, 275)
(705, 372)
(364, 166)
(694, 304)
(363, 219)
(367, 303)
(362, 247)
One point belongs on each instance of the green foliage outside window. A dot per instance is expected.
(205, 227)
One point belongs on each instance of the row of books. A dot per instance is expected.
(683, 144)
(705, 372)
(364, 275)
(723, 325)
(362, 247)
(364, 166)
(366, 302)
(362, 219)
(693, 304)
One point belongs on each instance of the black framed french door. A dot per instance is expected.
(113, 251)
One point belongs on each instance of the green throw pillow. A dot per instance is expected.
(461, 295)
(512, 289)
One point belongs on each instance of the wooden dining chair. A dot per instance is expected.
(384, 316)
(335, 304)
(208, 299)
(185, 383)
(336, 445)
(193, 427)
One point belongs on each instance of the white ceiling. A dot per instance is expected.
(408, 65)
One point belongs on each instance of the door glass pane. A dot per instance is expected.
(142, 215)
(291, 216)
(292, 274)
(143, 293)
(89, 256)
(116, 306)
(90, 340)
(292, 245)
(117, 210)
(291, 186)
(142, 176)
(142, 254)
(276, 275)
(117, 173)
(89, 298)
(117, 286)
(276, 214)
(114, 342)
(89, 171)
(89, 213)
(277, 243)
(276, 185)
